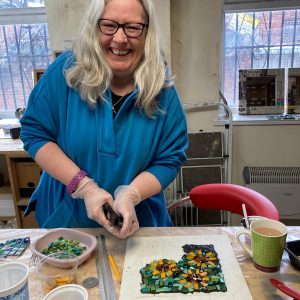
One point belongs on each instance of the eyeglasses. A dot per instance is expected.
(133, 30)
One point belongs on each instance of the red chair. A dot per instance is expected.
(230, 197)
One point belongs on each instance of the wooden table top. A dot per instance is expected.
(257, 281)
(12, 147)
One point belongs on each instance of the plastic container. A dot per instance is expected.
(68, 292)
(293, 250)
(14, 281)
(53, 276)
(87, 240)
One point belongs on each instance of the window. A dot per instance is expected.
(258, 40)
(24, 46)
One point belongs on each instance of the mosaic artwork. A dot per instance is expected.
(199, 270)
(13, 247)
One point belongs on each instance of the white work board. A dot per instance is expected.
(142, 250)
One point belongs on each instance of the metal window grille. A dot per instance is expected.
(258, 40)
(24, 46)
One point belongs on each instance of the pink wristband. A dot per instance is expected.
(75, 181)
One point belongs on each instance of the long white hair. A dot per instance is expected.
(91, 75)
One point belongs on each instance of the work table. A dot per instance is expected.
(258, 282)
(12, 147)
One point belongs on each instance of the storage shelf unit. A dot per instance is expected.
(23, 176)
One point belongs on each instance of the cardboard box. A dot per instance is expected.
(261, 91)
(293, 102)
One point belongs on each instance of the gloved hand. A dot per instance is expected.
(94, 198)
(126, 197)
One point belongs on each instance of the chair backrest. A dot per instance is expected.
(230, 197)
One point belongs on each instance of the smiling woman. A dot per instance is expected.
(114, 93)
(123, 52)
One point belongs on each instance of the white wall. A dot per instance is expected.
(267, 146)
(196, 36)
(196, 48)
(163, 11)
(63, 21)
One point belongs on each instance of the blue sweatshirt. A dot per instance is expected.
(112, 151)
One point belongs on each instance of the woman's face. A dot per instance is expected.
(123, 53)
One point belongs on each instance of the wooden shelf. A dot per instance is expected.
(6, 218)
(24, 176)
(22, 201)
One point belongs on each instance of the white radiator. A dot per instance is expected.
(280, 184)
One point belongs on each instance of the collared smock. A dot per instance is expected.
(112, 151)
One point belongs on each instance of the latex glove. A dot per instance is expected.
(94, 198)
(126, 197)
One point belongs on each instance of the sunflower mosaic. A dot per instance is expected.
(199, 270)
(158, 276)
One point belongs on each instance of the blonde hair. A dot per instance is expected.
(91, 75)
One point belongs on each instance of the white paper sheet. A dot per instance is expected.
(142, 250)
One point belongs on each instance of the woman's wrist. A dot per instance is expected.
(82, 184)
(128, 192)
(73, 184)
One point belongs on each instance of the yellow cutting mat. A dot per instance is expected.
(142, 250)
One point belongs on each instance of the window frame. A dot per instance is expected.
(24, 15)
(240, 6)
(230, 6)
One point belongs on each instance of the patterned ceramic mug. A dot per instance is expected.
(267, 243)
